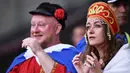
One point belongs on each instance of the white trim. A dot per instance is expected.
(28, 54)
(111, 1)
(57, 47)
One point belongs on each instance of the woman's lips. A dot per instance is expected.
(91, 37)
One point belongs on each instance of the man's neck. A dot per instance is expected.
(50, 44)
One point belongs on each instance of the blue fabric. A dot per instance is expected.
(81, 45)
(122, 38)
(64, 57)
(19, 59)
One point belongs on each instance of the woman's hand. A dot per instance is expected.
(93, 63)
(80, 67)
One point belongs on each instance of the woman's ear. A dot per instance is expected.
(58, 28)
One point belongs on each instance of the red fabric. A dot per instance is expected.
(28, 66)
(31, 66)
(60, 69)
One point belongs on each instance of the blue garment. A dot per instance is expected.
(123, 37)
(81, 45)
(64, 57)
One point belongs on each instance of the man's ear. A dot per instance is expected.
(58, 28)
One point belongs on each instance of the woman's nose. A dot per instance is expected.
(91, 30)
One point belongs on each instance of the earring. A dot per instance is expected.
(86, 38)
(108, 33)
(109, 36)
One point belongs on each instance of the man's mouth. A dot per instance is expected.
(37, 36)
(122, 17)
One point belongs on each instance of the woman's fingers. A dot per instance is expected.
(90, 57)
(76, 62)
(80, 54)
(91, 60)
(76, 59)
(94, 56)
(87, 64)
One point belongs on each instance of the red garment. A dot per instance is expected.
(59, 69)
(31, 66)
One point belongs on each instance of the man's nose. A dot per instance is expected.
(36, 28)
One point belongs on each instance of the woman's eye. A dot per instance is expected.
(97, 25)
(87, 27)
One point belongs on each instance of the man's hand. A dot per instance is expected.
(33, 44)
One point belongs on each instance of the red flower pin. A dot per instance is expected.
(59, 14)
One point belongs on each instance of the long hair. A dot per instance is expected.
(113, 47)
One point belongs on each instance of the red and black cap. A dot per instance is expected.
(49, 9)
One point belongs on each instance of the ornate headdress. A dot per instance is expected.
(103, 11)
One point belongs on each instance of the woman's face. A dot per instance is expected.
(95, 31)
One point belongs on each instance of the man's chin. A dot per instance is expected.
(40, 41)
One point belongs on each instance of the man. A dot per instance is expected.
(78, 33)
(45, 53)
(121, 9)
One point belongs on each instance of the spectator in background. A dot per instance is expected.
(121, 9)
(45, 53)
(78, 33)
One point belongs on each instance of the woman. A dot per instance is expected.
(104, 53)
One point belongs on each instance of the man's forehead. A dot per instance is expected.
(42, 18)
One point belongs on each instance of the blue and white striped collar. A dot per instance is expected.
(28, 54)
